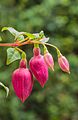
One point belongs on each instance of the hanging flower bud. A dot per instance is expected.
(23, 63)
(39, 67)
(49, 60)
(63, 63)
(22, 81)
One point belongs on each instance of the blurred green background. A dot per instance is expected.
(58, 100)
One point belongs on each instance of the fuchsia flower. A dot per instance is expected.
(63, 63)
(39, 67)
(22, 81)
(49, 60)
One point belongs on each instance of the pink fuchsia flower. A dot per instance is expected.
(39, 67)
(63, 63)
(22, 81)
(49, 60)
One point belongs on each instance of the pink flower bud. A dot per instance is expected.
(23, 63)
(36, 51)
(39, 67)
(63, 63)
(49, 60)
(22, 81)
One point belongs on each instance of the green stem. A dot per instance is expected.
(23, 53)
(6, 88)
(36, 45)
(58, 51)
(19, 49)
(45, 49)
(24, 40)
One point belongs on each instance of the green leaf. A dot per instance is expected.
(12, 55)
(36, 35)
(42, 37)
(44, 40)
(18, 35)
(31, 36)
(6, 88)
(41, 34)
(11, 30)
(0, 38)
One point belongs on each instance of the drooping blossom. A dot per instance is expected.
(49, 60)
(22, 81)
(63, 63)
(39, 67)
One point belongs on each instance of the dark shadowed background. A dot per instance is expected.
(58, 100)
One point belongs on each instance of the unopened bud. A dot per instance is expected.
(63, 63)
(22, 81)
(39, 67)
(49, 60)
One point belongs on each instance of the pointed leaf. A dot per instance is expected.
(36, 35)
(41, 34)
(6, 88)
(31, 36)
(14, 32)
(0, 38)
(44, 40)
(12, 55)
(20, 37)
(11, 30)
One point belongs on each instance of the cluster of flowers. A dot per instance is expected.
(22, 78)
